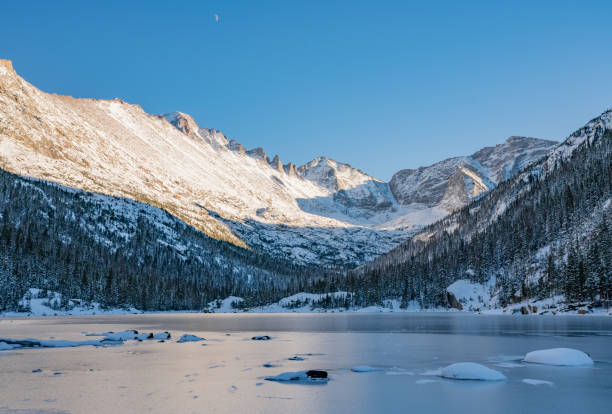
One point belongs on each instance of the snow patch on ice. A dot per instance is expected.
(537, 382)
(471, 371)
(363, 368)
(425, 381)
(559, 356)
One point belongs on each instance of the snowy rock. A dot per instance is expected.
(53, 343)
(131, 334)
(190, 338)
(559, 356)
(471, 371)
(123, 335)
(363, 368)
(312, 376)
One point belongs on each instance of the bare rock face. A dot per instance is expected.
(455, 195)
(453, 302)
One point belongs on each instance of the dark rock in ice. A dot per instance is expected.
(313, 373)
(37, 370)
(261, 338)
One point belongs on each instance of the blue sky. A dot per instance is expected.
(381, 85)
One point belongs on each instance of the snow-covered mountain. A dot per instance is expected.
(539, 238)
(322, 212)
(453, 182)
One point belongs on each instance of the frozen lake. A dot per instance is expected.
(227, 373)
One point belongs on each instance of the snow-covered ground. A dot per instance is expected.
(37, 302)
(474, 298)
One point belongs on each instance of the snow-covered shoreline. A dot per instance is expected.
(49, 305)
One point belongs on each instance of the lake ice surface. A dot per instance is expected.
(228, 374)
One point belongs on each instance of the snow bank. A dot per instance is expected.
(363, 368)
(559, 356)
(471, 371)
(472, 295)
(38, 302)
(190, 338)
(231, 304)
(301, 377)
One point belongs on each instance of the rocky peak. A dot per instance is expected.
(237, 147)
(276, 164)
(188, 126)
(8, 76)
(7, 65)
(290, 169)
(184, 123)
(333, 175)
(257, 153)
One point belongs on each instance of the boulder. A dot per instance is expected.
(453, 302)
(261, 338)
(314, 373)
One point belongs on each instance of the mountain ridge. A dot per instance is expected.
(322, 212)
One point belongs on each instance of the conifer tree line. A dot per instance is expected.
(122, 253)
(552, 238)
